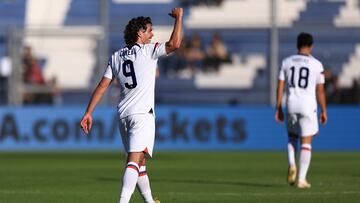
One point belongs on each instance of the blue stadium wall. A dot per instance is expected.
(178, 128)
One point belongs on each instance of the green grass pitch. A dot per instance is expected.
(176, 177)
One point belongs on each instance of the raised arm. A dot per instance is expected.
(320, 95)
(98, 93)
(176, 35)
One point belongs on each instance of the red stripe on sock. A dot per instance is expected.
(305, 148)
(133, 167)
(142, 173)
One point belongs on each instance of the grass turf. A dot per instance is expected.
(176, 177)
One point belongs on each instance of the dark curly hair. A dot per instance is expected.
(134, 25)
(304, 40)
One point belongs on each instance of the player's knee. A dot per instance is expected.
(136, 157)
(306, 140)
(143, 162)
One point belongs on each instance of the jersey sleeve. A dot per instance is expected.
(320, 79)
(108, 71)
(282, 71)
(158, 50)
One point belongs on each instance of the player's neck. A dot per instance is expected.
(304, 51)
(303, 54)
(141, 41)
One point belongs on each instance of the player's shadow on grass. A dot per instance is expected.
(218, 182)
(108, 179)
(207, 182)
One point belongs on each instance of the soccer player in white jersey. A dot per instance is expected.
(134, 66)
(303, 77)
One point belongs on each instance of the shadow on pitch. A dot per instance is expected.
(108, 179)
(217, 182)
(206, 182)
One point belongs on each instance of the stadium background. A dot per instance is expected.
(71, 40)
(229, 108)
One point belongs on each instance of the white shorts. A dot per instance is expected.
(302, 124)
(138, 133)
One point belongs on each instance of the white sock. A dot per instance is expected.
(130, 178)
(305, 158)
(124, 200)
(291, 149)
(143, 184)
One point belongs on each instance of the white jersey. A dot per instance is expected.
(302, 73)
(135, 69)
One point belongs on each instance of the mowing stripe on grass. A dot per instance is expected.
(265, 194)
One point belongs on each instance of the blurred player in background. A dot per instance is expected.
(134, 66)
(304, 78)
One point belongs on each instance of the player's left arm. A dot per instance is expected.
(98, 93)
(320, 95)
(176, 35)
(279, 115)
